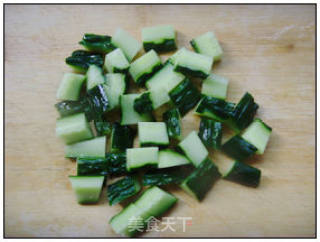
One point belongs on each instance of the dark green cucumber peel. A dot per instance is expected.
(200, 181)
(243, 113)
(97, 43)
(92, 166)
(185, 96)
(165, 46)
(122, 137)
(97, 101)
(123, 189)
(194, 46)
(146, 76)
(102, 127)
(166, 176)
(116, 164)
(66, 108)
(189, 72)
(173, 122)
(143, 103)
(210, 133)
(81, 60)
(218, 109)
(243, 174)
(238, 148)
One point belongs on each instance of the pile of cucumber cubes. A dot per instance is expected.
(96, 105)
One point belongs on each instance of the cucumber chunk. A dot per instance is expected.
(159, 96)
(117, 164)
(80, 60)
(89, 148)
(139, 157)
(193, 64)
(210, 132)
(129, 45)
(243, 174)
(116, 62)
(238, 148)
(67, 108)
(145, 67)
(123, 189)
(143, 103)
(129, 115)
(153, 134)
(193, 148)
(73, 128)
(170, 158)
(258, 134)
(70, 86)
(215, 86)
(91, 166)
(115, 86)
(97, 43)
(102, 127)
(207, 44)
(87, 188)
(94, 76)
(161, 38)
(200, 181)
(173, 121)
(121, 137)
(97, 102)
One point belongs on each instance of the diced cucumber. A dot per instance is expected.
(238, 148)
(97, 102)
(172, 59)
(115, 86)
(129, 115)
(87, 188)
(129, 45)
(193, 64)
(199, 182)
(73, 128)
(215, 86)
(139, 157)
(80, 60)
(97, 43)
(91, 166)
(102, 127)
(173, 121)
(159, 96)
(94, 76)
(170, 158)
(207, 44)
(257, 134)
(193, 148)
(153, 134)
(67, 108)
(145, 67)
(89, 148)
(123, 189)
(155, 201)
(243, 174)
(121, 137)
(210, 132)
(70, 86)
(143, 103)
(151, 100)
(160, 38)
(116, 62)
(117, 164)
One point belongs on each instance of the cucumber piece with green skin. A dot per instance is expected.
(123, 189)
(117, 164)
(98, 102)
(170, 158)
(89, 148)
(97, 43)
(200, 181)
(243, 174)
(215, 86)
(114, 87)
(159, 96)
(193, 64)
(238, 148)
(207, 44)
(129, 45)
(193, 148)
(70, 86)
(153, 134)
(258, 134)
(128, 114)
(143, 103)
(92, 166)
(145, 67)
(155, 201)
(121, 137)
(173, 121)
(116, 62)
(87, 188)
(243, 113)
(94, 76)
(160, 38)
(73, 128)
(80, 60)
(210, 132)
(185, 96)
(67, 108)
(215, 108)
(102, 127)
(140, 157)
